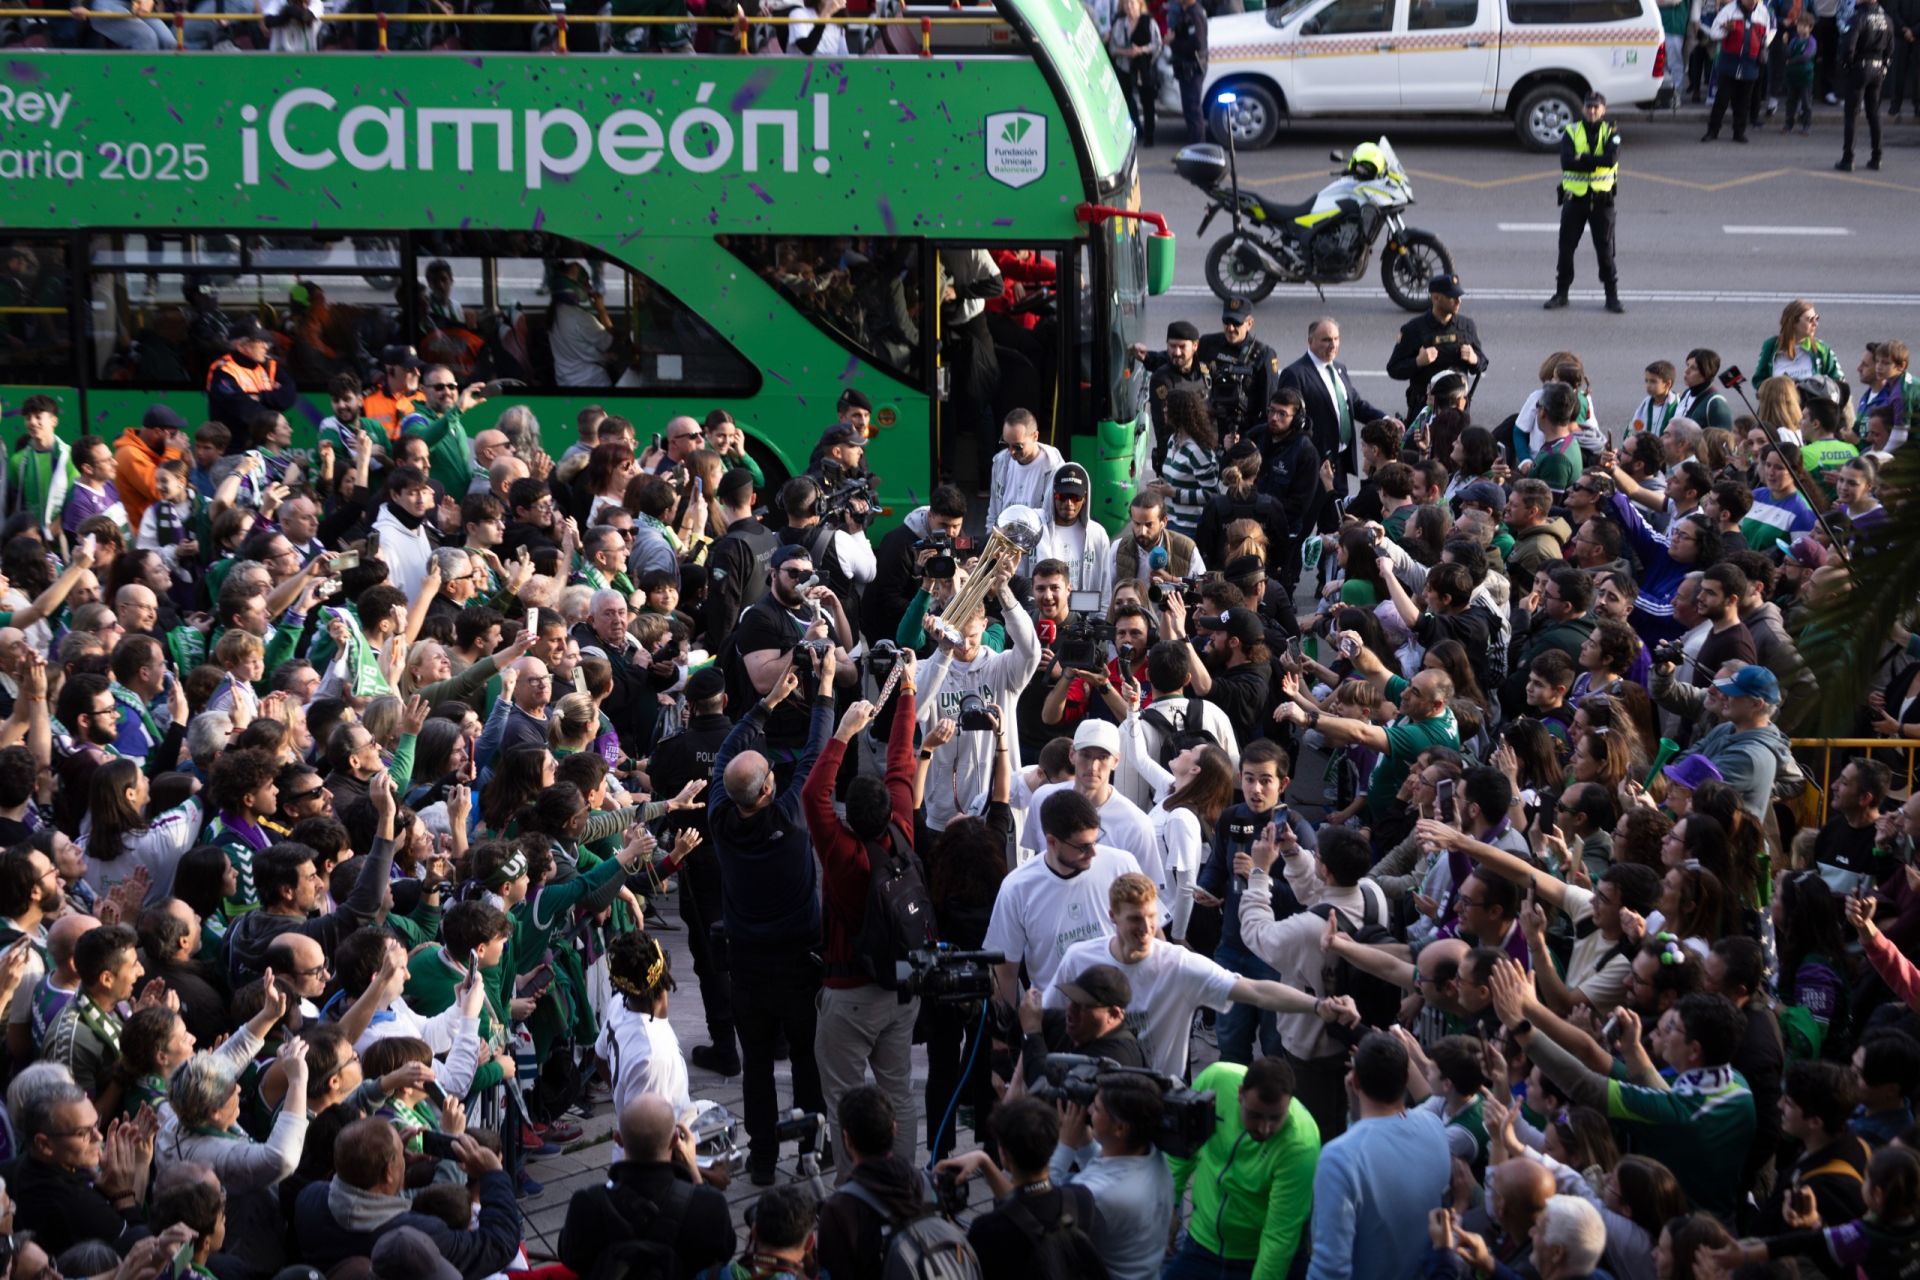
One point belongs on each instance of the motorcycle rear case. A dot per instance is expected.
(1201, 163)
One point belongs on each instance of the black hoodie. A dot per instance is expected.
(630, 1205)
(851, 1244)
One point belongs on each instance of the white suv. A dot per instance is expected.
(1529, 60)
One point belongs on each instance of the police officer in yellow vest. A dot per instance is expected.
(1589, 167)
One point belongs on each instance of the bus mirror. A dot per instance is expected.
(1159, 264)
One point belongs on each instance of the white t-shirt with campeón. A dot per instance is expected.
(1040, 913)
(1168, 983)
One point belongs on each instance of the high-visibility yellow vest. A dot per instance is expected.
(1575, 183)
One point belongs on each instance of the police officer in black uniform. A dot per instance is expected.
(1433, 343)
(1179, 368)
(688, 757)
(1866, 53)
(1589, 168)
(1243, 371)
(737, 561)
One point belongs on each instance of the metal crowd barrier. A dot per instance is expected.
(1848, 747)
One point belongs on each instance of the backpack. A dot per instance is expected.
(924, 1248)
(1176, 738)
(1377, 999)
(899, 915)
(647, 1252)
(1062, 1251)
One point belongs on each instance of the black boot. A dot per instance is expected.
(1874, 163)
(1613, 303)
(1557, 301)
(1845, 164)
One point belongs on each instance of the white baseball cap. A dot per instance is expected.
(1098, 734)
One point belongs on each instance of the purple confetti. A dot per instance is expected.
(330, 197)
(401, 98)
(776, 373)
(886, 215)
(465, 223)
(760, 191)
(30, 72)
(1003, 222)
(906, 115)
(539, 218)
(177, 117)
(750, 92)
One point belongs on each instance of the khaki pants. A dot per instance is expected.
(859, 1028)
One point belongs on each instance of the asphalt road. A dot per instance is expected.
(1714, 240)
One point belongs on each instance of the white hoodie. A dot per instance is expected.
(405, 551)
(963, 768)
(1090, 566)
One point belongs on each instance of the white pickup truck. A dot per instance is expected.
(1531, 61)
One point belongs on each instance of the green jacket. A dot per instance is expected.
(432, 976)
(449, 453)
(1250, 1199)
(1824, 362)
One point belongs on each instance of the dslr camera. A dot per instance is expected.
(1187, 1119)
(946, 976)
(807, 656)
(976, 714)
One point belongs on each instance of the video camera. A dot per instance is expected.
(1187, 1119)
(1230, 388)
(947, 976)
(1673, 651)
(939, 565)
(839, 491)
(1188, 589)
(1083, 642)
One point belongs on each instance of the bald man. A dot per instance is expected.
(489, 447)
(501, 473)
(657, 1183)
(527, 717)
(300, 963)
(138, 608)
(43, 995)
(1518, 1192)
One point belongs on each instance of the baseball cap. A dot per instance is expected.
(707, 682)
(1804, 552)
(1595, 98)
(1447, 284)
(733, 484)
(161, 418)
(1071, 480)
(1691, 771)
(246, 331)
(784, 554)
(1235, 311)
(1099, 986)
(1482, 493)
(1184, 330)
(401, 356)
(1098, 735)
(1751, 681)
(407, 1254)
(1241, 624)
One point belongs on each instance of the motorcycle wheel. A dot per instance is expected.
(1229, 279)
(1410, 262)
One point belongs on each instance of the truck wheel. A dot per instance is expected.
(1544, 115)
(1408, 266)
(1256, 115)
(1230, 277)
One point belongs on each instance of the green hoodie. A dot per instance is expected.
(1250, 1199)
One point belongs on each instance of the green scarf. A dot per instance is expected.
(105, 1025)
(364, 679)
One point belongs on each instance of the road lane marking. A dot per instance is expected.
(1736, 229)
(1528, 226)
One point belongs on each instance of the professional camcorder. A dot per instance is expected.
(938, 565)
(1083, 642)
(840, 492)
(947, 976)
(1188, 589)
(1187, 1118)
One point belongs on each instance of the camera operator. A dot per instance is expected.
(1029, 1207)
(1100, 694)
(1149, 551)
(1071, 537)
(964, 765)
(1170, 982)
(1096, 751)
(1089, 1018)
(1244, 370)
(771, 906)
(1235, 668)
(861, 1022)
(1252, 1180)
(772, 629)
(840, 456)
(737, 572)
(834, 538)
(902, 558)
(1052, 583)
(1111, 1143)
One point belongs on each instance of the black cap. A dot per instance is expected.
(733, 484)
(1236, 310)
(1071, 480)
(793, 551)
(247, 331)
(161, 418)
(1595, 98)
(1100, 986)
(1185, 330)
(1446, 284)
(707, 682)
(852, 398)
(401, 355)
(1241, 624)
(842, 433)
(1243, 567)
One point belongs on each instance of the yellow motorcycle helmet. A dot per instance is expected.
(1367, 162)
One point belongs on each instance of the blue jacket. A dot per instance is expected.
(477, 1254)
(1235, 833)
(769, 877)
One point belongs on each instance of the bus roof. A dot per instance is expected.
(607, 148)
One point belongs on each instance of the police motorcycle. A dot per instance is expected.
(1326, 240)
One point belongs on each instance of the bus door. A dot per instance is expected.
(1000, 350)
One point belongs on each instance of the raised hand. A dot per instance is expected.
(789, 681)
(941, 734)
(1860, 909)
(858, 716)
(689, 796)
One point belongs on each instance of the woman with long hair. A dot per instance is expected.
(205, 878)
(1472, 458)
(1779, 406)
(1601, 756)
(1794, 352)
(1242, 503)
(1691, 542)
(1746, 840)
(153, 1042)
(119, 838)
(1360, 582)
(1813, 962)
(1426, 532)
(1693, 908)
(610, 468)
(1605, 712)
(1134, 42)
(1639, 835)
(1190, 475)
(1780, 510)
(1193, 790)
(1246, 538)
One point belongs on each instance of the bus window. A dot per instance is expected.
(36, 336)
(863, 290)
(558, 315)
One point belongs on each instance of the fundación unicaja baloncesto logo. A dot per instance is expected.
(1016, 147)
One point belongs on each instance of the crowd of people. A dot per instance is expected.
(1383, 856)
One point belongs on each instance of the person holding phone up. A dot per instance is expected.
(438, 422)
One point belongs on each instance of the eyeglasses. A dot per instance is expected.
(1087, 848)
(319, 970)
(304, 795)
(1465, 901)
(89, 1131)
(111, 709)
(689, 435)
(439, 386)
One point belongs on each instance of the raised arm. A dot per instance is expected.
(1508, 867)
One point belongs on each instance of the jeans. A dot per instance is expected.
(1191, 1262)
(774, 992)
(1191, 105)
(142, 35)
(1799, 106)
(863, 1027)
(1234, 1029)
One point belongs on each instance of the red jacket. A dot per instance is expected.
(845, 870)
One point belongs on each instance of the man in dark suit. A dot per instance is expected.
(1335, 410)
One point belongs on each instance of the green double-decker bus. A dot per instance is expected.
(763, 233)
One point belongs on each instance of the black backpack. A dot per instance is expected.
(1377, 999)
(1176, 738)
(899, 915)
(646, 1252)
(1062, 1250)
